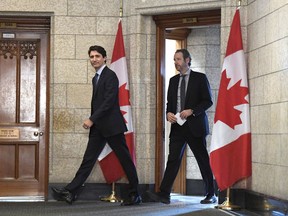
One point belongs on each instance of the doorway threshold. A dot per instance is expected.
(22, 199)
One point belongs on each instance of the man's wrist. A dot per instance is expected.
(192, 113)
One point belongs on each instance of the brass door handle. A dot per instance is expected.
(36, 133)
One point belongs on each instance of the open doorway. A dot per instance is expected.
(171, 46)
(174, 39)
(173, 28)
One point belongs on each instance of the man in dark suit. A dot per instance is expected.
(188, 104)
(106, 125)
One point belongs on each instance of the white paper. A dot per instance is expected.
(180, 121)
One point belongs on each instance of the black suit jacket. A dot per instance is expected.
(198, 98)
(105, 109)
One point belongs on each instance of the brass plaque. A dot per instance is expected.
(9, 133)
(8, 25)
(190, 20)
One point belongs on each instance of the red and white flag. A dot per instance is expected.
(109, 163)
(230, 152)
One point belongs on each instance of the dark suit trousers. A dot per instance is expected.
(180, 135)
(95, 146)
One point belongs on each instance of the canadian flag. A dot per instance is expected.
(230, 151)
(109, 163)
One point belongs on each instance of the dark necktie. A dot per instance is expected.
(95, 79)
(182, 92)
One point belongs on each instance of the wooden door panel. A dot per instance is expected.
(27, 161)
(18, 161)
(26, 188)
(7, 83)
(7, 166)
(28, 90)
(19, 85)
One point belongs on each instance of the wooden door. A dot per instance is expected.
(24, 111)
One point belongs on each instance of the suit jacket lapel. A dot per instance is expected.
(176, 87)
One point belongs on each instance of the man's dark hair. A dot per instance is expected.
(186, 54)
(99, 49)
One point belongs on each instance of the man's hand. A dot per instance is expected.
(186, 113)
(87, 124)
(171, 117)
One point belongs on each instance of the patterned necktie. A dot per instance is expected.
(182, 92)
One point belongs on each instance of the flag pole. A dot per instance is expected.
(227, 205)
(112, 197)
(121, 8)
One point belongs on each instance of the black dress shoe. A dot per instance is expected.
(158, 197)
(61, 194)
(209, 199)
(132, 200)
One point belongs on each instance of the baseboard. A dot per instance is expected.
(195, 187)
(255, 202)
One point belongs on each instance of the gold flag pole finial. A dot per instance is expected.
(121, 8)
(239, 3)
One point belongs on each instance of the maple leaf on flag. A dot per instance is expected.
(228, 99)
(123, 95)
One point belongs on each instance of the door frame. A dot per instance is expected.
(36, 24)
(172, 21)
